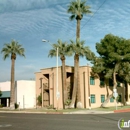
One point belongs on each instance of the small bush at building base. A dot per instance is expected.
(1, 105)
(68, 101)
(39, 99)
(50, 107)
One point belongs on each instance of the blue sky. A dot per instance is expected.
(30, 21)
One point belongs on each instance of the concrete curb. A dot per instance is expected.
(75, 112)
(72, 112)
(120, 111)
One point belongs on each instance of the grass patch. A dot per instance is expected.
(53, 110)
(111, 108)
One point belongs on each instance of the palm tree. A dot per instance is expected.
(80, 50)
(63, 51)
(78, 9)
(12, 49)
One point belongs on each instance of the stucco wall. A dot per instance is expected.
(5, 86)
(84, 74)
(26, 94)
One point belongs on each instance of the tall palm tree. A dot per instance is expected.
(80, 50)
(78, 8)
(63, 51)
(12, 49)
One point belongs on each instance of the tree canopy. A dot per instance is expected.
(13, 48)
(63, 49)
(114, 56)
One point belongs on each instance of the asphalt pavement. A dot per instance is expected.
(28, 121)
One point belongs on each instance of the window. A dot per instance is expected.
(92, 81)
(93, 98)
(111, 99)
(118, 84)
(102, 83)
(110, 82)
(119, 98)
(102, 98)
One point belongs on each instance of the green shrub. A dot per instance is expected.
(39, 99)
(1, 105)
(16, 106)
(68, 101)
(50, 107)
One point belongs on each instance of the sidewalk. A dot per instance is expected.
(84, 111)
(90, 112)
(57, 112)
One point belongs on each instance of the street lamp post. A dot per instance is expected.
(57, 92)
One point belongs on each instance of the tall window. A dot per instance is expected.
(111, 99)
(118, 84)
(102, 98)
(102, 83)
(92, 81)
(120, 98)
(93, 98)
(110, 82)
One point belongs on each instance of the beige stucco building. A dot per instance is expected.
(92, 89)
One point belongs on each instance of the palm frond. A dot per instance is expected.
(79, 48)
(52, 53)
(63, 49)
(72, 17)
(78, 9)
(12, 47)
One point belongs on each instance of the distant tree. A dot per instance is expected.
(63, 51)
(114, 52)
(12, 49)
(124, 76)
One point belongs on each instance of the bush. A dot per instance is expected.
(68, 101)
(16, 106)
(1, 105)
(50, 107)
(39, 98)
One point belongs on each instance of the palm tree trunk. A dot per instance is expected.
(12, 99)
(78, 29)
(79, 104)
(72, 104)
(64, 88)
